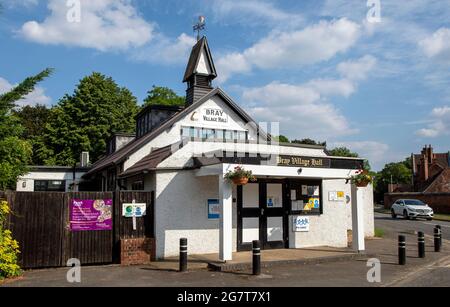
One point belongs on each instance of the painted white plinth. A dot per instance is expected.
(358, 219)
(226, 220)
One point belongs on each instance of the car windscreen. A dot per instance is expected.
(413, 202)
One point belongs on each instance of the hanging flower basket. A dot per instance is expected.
(239, 176)
(362, 179)
(240, 181)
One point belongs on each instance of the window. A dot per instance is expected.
(306, 197)
(49, 185)
(214, 134)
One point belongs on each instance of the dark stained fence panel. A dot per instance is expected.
(40, 223)
(36, 224)
(90, 247)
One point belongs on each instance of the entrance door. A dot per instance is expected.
(261, 215)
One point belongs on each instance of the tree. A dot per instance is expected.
(343, 152)
(85, 120)
(281, 139)
(163, 96)
(33, 119)
(308, 141)
(15, 153)
(397, 172)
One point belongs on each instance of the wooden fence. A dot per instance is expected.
(40, 223)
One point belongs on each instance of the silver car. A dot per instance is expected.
(411, 208)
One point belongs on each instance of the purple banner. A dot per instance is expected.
(89, 214)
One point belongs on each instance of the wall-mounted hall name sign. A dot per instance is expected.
(214, 115)
(296, 161)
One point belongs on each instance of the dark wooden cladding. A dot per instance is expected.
(40, 223)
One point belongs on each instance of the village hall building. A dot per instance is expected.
(300, 199)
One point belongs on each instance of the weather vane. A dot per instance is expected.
(200, 26)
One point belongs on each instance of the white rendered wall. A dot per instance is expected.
(57, 176)
(328, 229)
(181, 211)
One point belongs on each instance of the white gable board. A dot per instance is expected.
(203, 66)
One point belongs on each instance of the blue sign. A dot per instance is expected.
(213, 209)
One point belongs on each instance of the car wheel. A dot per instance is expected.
(394, 216)
(405, 215)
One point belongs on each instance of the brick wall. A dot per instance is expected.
(440, 202)
(137, 251)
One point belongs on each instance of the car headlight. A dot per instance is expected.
(411, 209)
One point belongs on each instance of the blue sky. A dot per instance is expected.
(323, 69)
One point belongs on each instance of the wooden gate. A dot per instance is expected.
(40, 223)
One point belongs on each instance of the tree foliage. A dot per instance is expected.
(159, 95)
(85, 120)
(281, 139)
(33, 119)
(15, 153)
(308, 141)
(343, 152)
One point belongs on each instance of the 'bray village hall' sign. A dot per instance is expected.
(296, 161)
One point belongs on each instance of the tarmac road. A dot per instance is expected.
(393, 227)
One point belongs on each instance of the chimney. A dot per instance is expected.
(84, 159)
(425, 168)
(430, 154)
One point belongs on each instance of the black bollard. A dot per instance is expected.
(256, 257)
(183, 255)
(437, 243)
(401, 250)
(421, 244)
(440, 235)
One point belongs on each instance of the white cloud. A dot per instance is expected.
(281, 50)
(302, 110)
(254, 12)
(166, 51)
(36, 97)
(440, 124)
(358, 69)
(374, 151)
(105, 25)
(437, 45)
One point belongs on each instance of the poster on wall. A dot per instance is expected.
(90, 214)
(336, 196)
(301, 224)
(213, 209)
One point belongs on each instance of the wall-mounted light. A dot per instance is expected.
(299, 171)
(24, 184)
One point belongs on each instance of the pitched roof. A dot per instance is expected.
(196, 53)
(149, 162)
(441, 183)
(135, 145)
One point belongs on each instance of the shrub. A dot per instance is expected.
(9, 248)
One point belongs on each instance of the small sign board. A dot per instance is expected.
(301, 223)
(134, 209)
(336, 196)
(213, 209)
